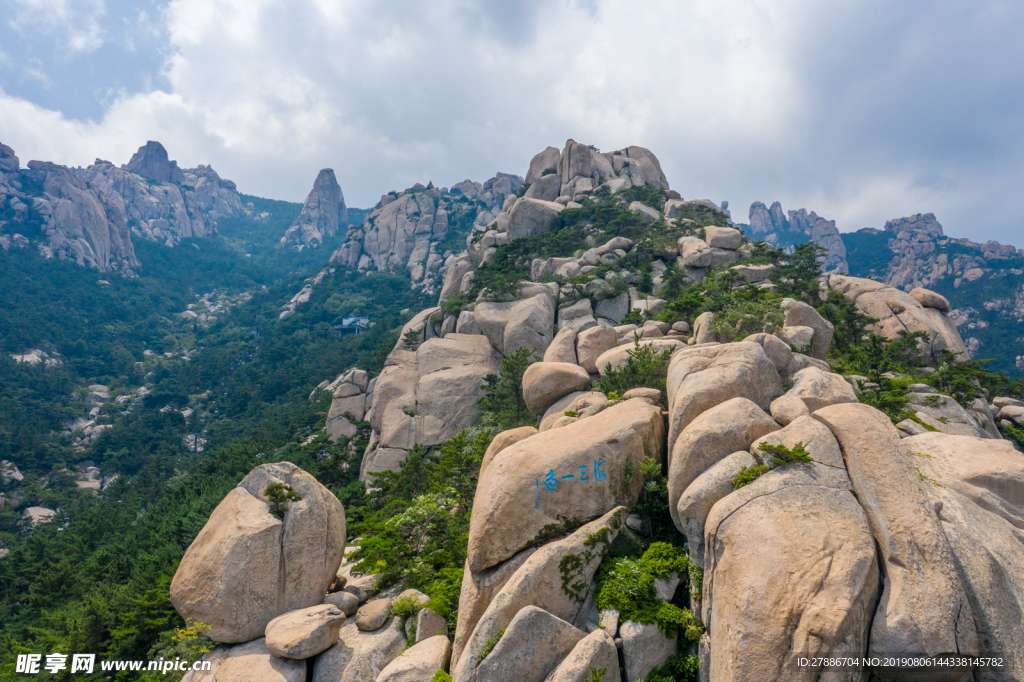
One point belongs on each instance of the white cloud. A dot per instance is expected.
(76, 24)
(862, 112)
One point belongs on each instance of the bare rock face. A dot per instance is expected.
(897, 311)
(304, 633)
(596, 651)
(426, 396)
(151, 162)
(78, 222)
(405, 228)
(576, 471)
(323, 213)
(359, 656)
(978, 486)
(247, 566)
(532, 646)
(162, 202)
(537, 581)
(789, 571)
(247, 662)
(700, 377)
(419, 662)
(924, 609)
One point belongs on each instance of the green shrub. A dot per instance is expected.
(441, 676)
(678, 668)
(783, 456)
(748, 475)
(644, 367)
(490, 644)
(652, 503)
(504, 407)
(627, 585)
(279, 493)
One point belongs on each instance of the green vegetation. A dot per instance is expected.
(279, 493)
(504, 407)
(626, 584)
(780, 456)
(652, 504)
(678, 668)
(441, 676)
(644, 367)
(489, 645)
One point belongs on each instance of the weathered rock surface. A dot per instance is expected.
(532, 216)
(897, 311)
(574, 472)
(304, 633)
(789, 572)
(644, 647)
(596, 651)
(591, 344)
(979, 485)
(802, 315)
(246, 566)
(532, 646)
(701, 495)
(419, 662)
(372, 614)
(946, 415)
(323, 213)
(546, 382)
(820, 389)
(247, 662)
(504, 440)
(539, 582)
(359, 656)
(79, 222)
(787, 408)
(430, 624)
(619, 355)
(717, 433)
(771, 224)
(923, 607)
(426, 396)
(346, 602)
(700, 377)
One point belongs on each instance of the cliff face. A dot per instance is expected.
(162, 202)
(772, 225)
(405, 229)
(323, 213)
(62, 215)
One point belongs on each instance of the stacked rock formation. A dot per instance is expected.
(772, 225)
(405, 228)
(323, 214)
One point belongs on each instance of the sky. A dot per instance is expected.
(862, 111)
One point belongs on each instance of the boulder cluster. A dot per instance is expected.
(774, 227)
(815, 528)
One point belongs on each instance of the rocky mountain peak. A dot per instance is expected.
(8, 160)
(773, 226)
(152, 163)
(323, 212)
(924, 226)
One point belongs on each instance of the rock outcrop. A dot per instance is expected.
(897, 311)
(76, 222)
(771, 225)
(247, 566)
(162, 202)
(405, 228)
(323, 213)
(426, 395)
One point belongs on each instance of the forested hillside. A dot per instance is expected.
(190, 404)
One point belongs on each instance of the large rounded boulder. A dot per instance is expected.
(247, 566)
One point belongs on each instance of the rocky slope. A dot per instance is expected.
(882, 541)
(984, 283)
(419, 227)
(323, 213)
(162, 202)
